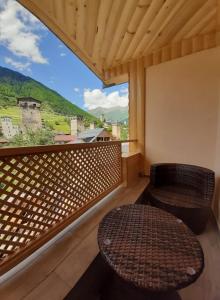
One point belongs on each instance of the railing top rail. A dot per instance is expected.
(16, 151)
(128, 141)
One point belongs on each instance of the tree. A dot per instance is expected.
(31, 138)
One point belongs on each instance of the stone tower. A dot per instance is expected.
(116, 130)
(77, 125)
(30, 109)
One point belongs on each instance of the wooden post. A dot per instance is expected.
(137, 107)
(140, 106)
(132, 105)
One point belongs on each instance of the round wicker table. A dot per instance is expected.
(150, 249)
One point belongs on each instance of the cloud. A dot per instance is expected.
(97, 98)
(76, 90)
(19, 32)
(62, 54)
(60, 46)
(18, 65)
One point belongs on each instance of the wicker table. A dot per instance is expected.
(150, 249)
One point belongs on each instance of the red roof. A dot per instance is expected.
(64, 138)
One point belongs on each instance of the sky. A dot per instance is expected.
(27, 46)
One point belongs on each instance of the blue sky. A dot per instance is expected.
(27, 46)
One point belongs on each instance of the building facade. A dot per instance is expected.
(8, 129)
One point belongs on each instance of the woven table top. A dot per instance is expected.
(150, 248)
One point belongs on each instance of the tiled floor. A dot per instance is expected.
(51, 275)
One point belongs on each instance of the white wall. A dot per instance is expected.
(183, 111)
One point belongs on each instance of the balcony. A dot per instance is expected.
(67, 243)
(168, 51)
(45, 189)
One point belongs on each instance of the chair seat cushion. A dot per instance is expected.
(178, 195)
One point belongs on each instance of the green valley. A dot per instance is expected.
(55, 109)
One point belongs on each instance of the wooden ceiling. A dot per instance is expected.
(109, 33)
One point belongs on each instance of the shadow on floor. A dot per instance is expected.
(99, 282)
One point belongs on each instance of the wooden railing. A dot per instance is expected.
(43, 189)
(126, 145)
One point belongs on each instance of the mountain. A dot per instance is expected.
(114, 114)
(14, 84)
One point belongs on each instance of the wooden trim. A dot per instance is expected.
(140, 102)
(132, 104)
(129, 141)
(4, 152)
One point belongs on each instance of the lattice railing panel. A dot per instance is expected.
(43, 189)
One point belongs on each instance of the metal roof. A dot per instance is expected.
(90, 133)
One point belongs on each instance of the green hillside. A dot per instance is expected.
(14, 84)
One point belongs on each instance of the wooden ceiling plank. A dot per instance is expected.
(194, 20)
(200, 25)
(104, 9)
(71, 12)
(91, 24)
(144, 24)
(177, 23)
(59, 11)
(218, 23)
(81, 22)
(125, 17)
(111, 27)
(132, 27)
(69, 7)
(169, 9)
(144, 3)
(48, 6)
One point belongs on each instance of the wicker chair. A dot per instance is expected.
(183, 190)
